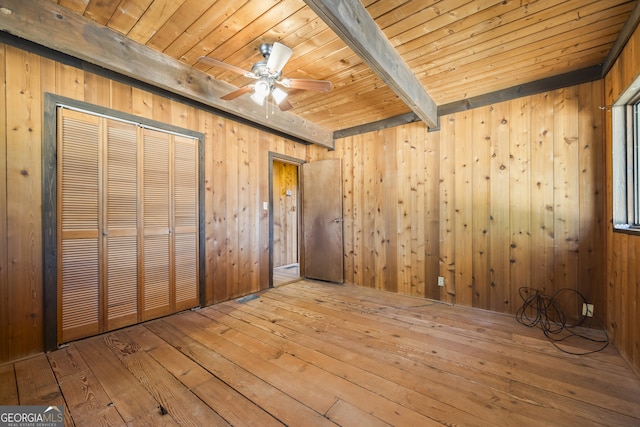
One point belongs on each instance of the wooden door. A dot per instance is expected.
(79, 227)
(170, 224)
(185, 223)
(156, 220)
(120, 302)
(322, 220)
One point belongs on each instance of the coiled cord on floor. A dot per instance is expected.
(547, 313)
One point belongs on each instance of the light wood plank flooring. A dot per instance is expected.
(286, 274)
(310, 353)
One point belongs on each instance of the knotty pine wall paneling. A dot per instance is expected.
(403, 212)
(23, 93)
(566, 196)
(235, 180)
(402, 228)
(432, 171)
(446, 184)
(542, 212)
(232, 213)
(501, 197)
(520, 196)
(216, 182)
(623, 270)
(497, 289)
(397, 252)
(481, 186)
(252, 222)
(5, 333)
(591, 181)
(265, 144)
(347, 195)
(463, 212)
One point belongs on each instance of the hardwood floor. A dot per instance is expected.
(310, 353)
(286, 274)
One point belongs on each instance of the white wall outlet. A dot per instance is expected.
(440, 281)
(587, 310)
(265, 206)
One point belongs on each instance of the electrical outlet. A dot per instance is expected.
(587, 310)
(440, 281)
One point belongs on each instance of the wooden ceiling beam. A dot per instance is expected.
(45, 23)
(353, 24)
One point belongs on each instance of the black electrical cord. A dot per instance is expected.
(547, 313)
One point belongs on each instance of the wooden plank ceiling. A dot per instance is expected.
(457, 49)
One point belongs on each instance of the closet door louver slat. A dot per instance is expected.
(121, 225)
(79, 288)
(156, 224)
(186, 222)
(78, 203)
(122, 289)
(186, 271)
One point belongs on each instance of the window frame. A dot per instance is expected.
(625, 172)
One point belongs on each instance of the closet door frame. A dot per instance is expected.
(50, 204)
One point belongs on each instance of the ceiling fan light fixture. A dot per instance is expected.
(258, 98)
(279, 95)
(278, 56)
(267, 74)
(262, 88)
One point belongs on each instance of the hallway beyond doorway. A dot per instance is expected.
(286, 274)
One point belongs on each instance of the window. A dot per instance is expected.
(626, 160)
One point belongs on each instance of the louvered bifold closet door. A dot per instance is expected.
(79, 225)
(120, 236)
(186, 222)
(128, 229)
(156, 216)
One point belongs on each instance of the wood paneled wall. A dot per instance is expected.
(236, 180)
(502, 197)
(390, 208)
(623, 250)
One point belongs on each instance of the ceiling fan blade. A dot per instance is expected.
(237, 93)
(285, 105)
(228, 67)
(306, 84)
(279, 56)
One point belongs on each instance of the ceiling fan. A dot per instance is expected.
(268, 74)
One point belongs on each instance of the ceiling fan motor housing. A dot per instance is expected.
(265, 50)
(260, 68)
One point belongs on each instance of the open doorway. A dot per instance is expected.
(284, 219)
(314, 251)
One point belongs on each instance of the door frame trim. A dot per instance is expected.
(283, 158)
(49, 202)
